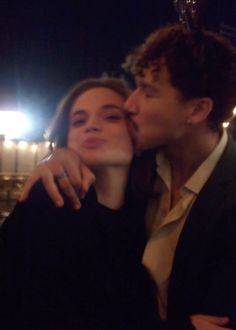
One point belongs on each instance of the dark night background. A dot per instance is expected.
(48, 46)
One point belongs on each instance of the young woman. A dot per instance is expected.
(81, 269)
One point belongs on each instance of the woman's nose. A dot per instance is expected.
(92, 129)
(93, 125)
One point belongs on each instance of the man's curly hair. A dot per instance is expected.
(200, 64)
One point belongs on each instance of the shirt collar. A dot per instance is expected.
(201, 175)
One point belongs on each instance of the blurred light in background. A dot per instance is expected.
(226, 124)
(14, 124)
(22, 145)
(8, 144)
(234, 111)
(34, 147)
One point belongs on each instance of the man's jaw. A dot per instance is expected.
(133, 129)
(134, 133)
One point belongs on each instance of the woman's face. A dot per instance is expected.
(98, 130)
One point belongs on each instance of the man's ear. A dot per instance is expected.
(201, 109)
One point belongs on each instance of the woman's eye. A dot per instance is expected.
(113, 117)
(78, 122)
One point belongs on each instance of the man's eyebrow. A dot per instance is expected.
(146, 86)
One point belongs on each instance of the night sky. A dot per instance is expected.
(47, 46)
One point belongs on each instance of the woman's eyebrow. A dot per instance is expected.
(111, 106)
(78, 112)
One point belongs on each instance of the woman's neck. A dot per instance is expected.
(110, 185)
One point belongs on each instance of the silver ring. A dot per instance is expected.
(61, 176)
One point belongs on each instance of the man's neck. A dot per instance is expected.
(186, 157)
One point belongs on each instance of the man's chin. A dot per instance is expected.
(139, 148)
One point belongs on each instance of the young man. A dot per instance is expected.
(186, 85)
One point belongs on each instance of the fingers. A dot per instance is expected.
(70, 192)
(88, 178)
(43, 172)
(77, 182)
(79, 178)
(208, 322)
(52, 189)
(219, 320)
(74, 182)
(72, 169)
(27, 187)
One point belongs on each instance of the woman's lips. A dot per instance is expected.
(92, 142)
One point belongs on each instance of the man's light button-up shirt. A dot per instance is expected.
(164, 225)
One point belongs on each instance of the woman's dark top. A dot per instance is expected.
(67, 269)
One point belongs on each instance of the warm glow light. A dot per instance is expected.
(234, 111)
(226, 124)
(22, 145)
(8, 144)
(33, 147)
(47, 144)
(13, 124)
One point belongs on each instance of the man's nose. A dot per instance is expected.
(131, 105)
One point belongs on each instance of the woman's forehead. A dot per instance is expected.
(96, 98)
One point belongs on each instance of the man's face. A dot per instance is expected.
(157, 112)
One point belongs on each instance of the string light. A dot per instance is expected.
(8, 144)
(33, 147)
(22, 145)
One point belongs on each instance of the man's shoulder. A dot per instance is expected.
(221, 185)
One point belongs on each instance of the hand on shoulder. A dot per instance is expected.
(63, 169)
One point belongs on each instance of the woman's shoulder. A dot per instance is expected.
(35, 205)
(38, 196)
